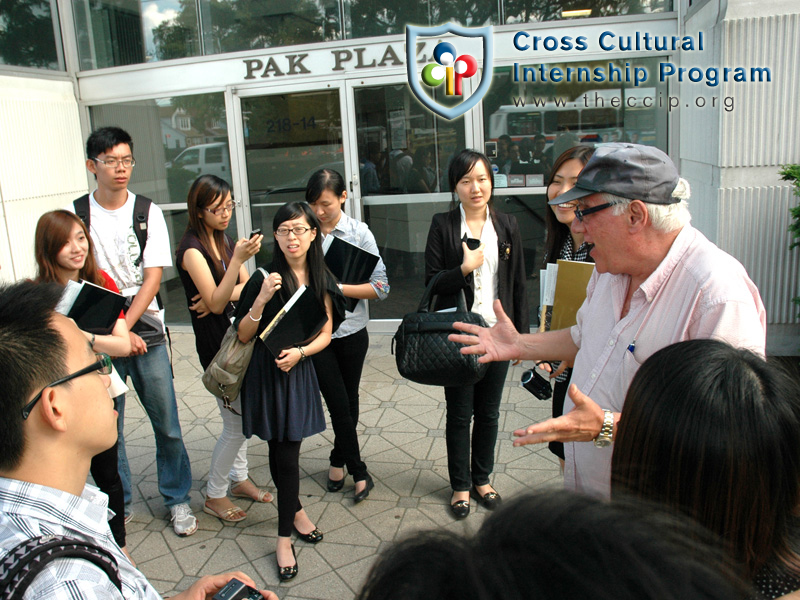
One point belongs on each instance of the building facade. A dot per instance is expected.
(264, 92)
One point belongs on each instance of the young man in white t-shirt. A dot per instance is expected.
(111, 206)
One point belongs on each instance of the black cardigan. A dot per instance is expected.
(443, 252)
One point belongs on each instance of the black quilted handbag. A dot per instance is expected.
(425, 355)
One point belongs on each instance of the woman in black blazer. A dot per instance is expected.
(493, 269)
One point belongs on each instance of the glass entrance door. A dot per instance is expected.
(287, 137)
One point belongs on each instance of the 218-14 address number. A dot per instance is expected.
(286, 124)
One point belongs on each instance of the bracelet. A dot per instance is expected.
(249, 314)
(302, 353)
(91, 343)
(340, 286)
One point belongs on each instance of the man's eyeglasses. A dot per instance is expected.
(102, 366)
(582, 212)
(113, 163)
(282, 231)
(221, 210)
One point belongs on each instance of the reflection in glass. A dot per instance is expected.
(367, 18)
(402, 147)
(175, 140)
(287, 138)
(530, 11)
(27, 33)
(109, 32)
(528, 125)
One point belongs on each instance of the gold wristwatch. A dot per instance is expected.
(603, 438)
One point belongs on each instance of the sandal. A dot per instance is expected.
(263, 495)
(229, 514)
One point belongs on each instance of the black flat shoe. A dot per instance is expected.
(460, 509)
(490, 500)
(334, 485)
(362, 495)
(315, 537)
(287, 573)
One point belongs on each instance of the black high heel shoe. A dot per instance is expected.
(315, 537)
(334, 485)
(362, 495)
(287, 573)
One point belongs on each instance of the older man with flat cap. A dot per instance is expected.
(657, 281)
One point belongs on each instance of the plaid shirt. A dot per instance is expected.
(28, 510)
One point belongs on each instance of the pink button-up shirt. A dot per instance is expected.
(698, 291)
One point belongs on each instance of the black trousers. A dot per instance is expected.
(284, 465)
(481, 403)
(106, 476)
(338, 370)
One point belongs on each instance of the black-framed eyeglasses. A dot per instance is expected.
(102, 366)
(582, 212)
(282, 231)
(113, 163)
(221, 210)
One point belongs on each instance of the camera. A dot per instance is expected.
(536, 384)
(236, 590)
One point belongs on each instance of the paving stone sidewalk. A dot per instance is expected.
(402, 437)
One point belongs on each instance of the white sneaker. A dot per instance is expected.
(183, 520)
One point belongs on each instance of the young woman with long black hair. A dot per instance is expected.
(211, 268)
(563, 243)
(280, 396)
(339, 365)
(494, 270)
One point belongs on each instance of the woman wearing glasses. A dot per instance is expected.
(64, 252)
(339, 365)
(479, 252)
(563, 243)
(280, 396)
(211, 268)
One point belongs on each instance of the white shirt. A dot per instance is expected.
(117, 249)
(697, 292)
(484, 278)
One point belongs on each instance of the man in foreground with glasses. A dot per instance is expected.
(136, 267)
(657, 281)
(57, 414)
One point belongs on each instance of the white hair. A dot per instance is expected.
(663, 217)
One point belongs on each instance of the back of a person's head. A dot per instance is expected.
(32, 354)
(714, 432)
(556, 545)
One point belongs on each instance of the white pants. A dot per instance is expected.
(229, 460)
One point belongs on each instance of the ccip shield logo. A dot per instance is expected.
(449, 68)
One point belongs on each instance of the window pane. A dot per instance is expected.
(402, 149)
(531, 126)
(109, 32)
(233, 25)
(367, 18)
(169, 159)
(529, 11)
(27, 33)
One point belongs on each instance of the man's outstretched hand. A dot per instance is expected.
(497, 343)
(208, 585)
(581, 424)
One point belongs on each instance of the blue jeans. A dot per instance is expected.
(152, 379)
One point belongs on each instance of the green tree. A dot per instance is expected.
(27, 38)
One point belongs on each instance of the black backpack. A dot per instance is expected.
(141, 211)
(25, 561)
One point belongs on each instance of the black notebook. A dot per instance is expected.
(349, 263)
(300, 319)
(93, 308)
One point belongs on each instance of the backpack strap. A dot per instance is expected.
(25, 561)
(81, 206)
(141, 212)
